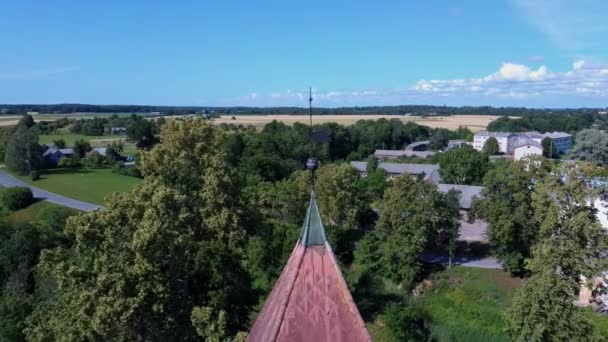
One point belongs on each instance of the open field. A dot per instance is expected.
(97, 140)
(474, 122)
(89, 185)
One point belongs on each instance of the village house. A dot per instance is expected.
(118, 130)
(527, 149)
(476, 230)
(52, 155)
(396, 154)
(428, 172)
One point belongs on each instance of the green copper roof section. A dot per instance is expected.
(313, 232)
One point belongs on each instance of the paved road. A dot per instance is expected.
(488, 262)
(10, 181)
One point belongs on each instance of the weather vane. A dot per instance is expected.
(322, 136)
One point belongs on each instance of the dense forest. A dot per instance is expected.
(67, 108)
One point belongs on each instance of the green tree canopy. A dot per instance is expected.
(571, 243)
(411, 218)
(81, 148)
(591, 145)
(491, 146)
(23, 153)
(463, 165)
(439, 139)
(506, 204)
(148, 264)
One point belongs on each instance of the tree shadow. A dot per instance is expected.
(63, 171)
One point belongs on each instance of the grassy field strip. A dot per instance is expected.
(89, 185)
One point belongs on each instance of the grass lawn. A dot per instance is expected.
(94, 140)
(89, 185)
(467, 304)
(32, 213)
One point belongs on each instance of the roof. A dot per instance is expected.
(402, 153)
(53, 150)
(101, 150)
(528, 142)
(416, 144)
(493, 134)
(557, 135)
(310, 301)
(467, 192)
(66, 151)
(399, 168)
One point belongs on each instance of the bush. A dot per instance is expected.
(93, 160)
(68, 162)
(407, 321)
(35, 174)
(17, 198)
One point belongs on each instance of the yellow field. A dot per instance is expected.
(473, 122)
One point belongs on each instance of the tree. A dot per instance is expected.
(16, 198)
(141, 132)
(451, 221)
(491, 146)
(506, 204)
(407, 321)
(571, 244)
(343, 208)
(439, 140)
(27, 121)
(542, 310)
(463, 165)
(59, 143)
(548, 151)
(23, 153)
(591, 145)
(144, 267)
(81, 148)
(410, 220)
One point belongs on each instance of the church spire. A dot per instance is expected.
(310, 301)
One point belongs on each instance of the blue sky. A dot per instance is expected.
(539, 53)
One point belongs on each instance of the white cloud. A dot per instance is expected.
(519, 81)
(584, 84)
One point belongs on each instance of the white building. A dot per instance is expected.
(529, 148)
(507, 142)
(480, 138)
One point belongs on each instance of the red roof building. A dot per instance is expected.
(310, 301)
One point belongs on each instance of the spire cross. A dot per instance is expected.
(312, 162)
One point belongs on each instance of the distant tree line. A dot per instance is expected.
(67, 108)
(570, 121)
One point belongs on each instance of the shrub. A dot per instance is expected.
(17, 198)
(93, 160)
(68, 162)
(35, 174)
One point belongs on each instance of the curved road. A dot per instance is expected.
(10, 181)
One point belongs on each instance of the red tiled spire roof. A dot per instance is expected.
(310, 301)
